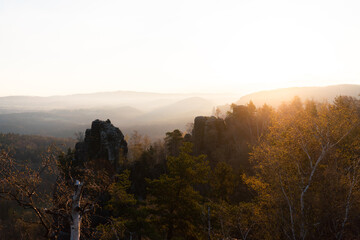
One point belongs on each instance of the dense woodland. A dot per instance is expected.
(252, 173)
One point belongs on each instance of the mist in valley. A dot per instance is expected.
(151, 114)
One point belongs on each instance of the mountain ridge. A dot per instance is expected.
(151, 115)
(277, 96)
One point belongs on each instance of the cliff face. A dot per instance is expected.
(227, 140)
(208, 133)
(103, 143)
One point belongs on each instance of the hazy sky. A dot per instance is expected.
(63, 47)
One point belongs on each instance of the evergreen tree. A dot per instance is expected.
(177, 204)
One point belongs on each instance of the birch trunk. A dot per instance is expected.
(76, 212)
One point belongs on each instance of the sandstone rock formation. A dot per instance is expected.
(207, 133)
(103, 142)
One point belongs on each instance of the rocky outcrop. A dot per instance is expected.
(103, 142)
(103, 147)
(230, 139)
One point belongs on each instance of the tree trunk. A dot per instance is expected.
(76, 212)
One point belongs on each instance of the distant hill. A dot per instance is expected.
(62, 116)
(185, 109)
(276, 97)
(64, 123)
(140, 100)
(148, 113)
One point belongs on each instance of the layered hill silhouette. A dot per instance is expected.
(149, 113)
(140, 100)
(278, 96)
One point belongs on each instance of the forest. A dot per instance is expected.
(290, 172)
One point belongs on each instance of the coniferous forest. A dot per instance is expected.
(290, 172)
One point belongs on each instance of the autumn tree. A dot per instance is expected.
(137, 144)
(63, 206)
(303, 146)
(24, 185)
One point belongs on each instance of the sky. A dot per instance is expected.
(238, 46)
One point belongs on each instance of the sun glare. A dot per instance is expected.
(202, 46)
